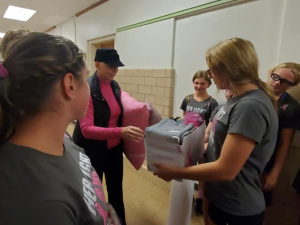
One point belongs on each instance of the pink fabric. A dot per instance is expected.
(200, 193)
(3, 71)
(112, 133)
(135, 114)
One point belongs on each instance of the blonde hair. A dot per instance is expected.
(238, 59)
(294, 67)
(10, 38)
(202, 74)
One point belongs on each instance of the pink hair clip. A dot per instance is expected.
(3, 71)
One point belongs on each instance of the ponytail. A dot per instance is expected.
(8, 119)
(9, 115)
(265, 87)
(28, 77)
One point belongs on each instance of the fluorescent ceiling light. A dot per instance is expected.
(2, 35)
(17, 13)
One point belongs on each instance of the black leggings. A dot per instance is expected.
(220, 217)
(110, 162)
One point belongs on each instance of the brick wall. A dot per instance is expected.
(150, 85)
(284, 210)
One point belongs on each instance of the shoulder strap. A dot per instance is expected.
(188, 99)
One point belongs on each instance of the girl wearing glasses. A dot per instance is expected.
(282, 78)
(241, 141)
(204, 104)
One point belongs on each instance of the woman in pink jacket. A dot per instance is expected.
(100, 132)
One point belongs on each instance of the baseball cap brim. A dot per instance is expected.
(117, 63)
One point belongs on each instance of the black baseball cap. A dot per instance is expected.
(108, 56)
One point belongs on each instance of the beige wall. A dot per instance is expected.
(150, 85)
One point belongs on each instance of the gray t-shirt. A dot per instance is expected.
(204, 108)
(253, 116)
(38, 188)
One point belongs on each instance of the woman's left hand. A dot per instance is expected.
(113, 218)
(165, 172)
(270, 181)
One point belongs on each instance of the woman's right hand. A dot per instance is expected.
(132, 133)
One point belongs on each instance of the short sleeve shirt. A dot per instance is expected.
(251, 115)
(204, 108)
(38, 188)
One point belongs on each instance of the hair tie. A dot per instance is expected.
(3, 71)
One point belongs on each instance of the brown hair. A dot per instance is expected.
(10, 38)
(202, 74)
(33, 72)
(238, 59)
(294, 67)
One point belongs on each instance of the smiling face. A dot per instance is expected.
(200, 85)
(105, 71)
(281, 80)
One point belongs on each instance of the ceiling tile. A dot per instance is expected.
(49, 13)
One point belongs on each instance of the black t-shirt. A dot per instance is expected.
(289, 117)
(204, 108)
(42, 189)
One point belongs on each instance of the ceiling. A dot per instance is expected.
(49, 13)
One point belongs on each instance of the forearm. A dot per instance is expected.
(282, 152)
(207, 132)
(101, 133)
(206, 138)
(204, 172)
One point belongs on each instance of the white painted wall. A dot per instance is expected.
(270, 24)
(66, 29)
(258, 21)
(290, 45)
(105, 19)
(147, 46)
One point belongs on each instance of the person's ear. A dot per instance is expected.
(68, 84)
(97, 65)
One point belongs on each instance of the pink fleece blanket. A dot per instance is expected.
(135, 114)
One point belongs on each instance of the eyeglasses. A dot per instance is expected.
(276, 77)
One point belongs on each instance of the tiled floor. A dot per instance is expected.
(146, 198)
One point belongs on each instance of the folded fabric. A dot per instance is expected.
(194, 118)
(155, 117)
(174, 144)
(170, 129)
(136, 114)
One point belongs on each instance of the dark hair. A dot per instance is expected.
(202, 74)
(34, 64)
(10, 38)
